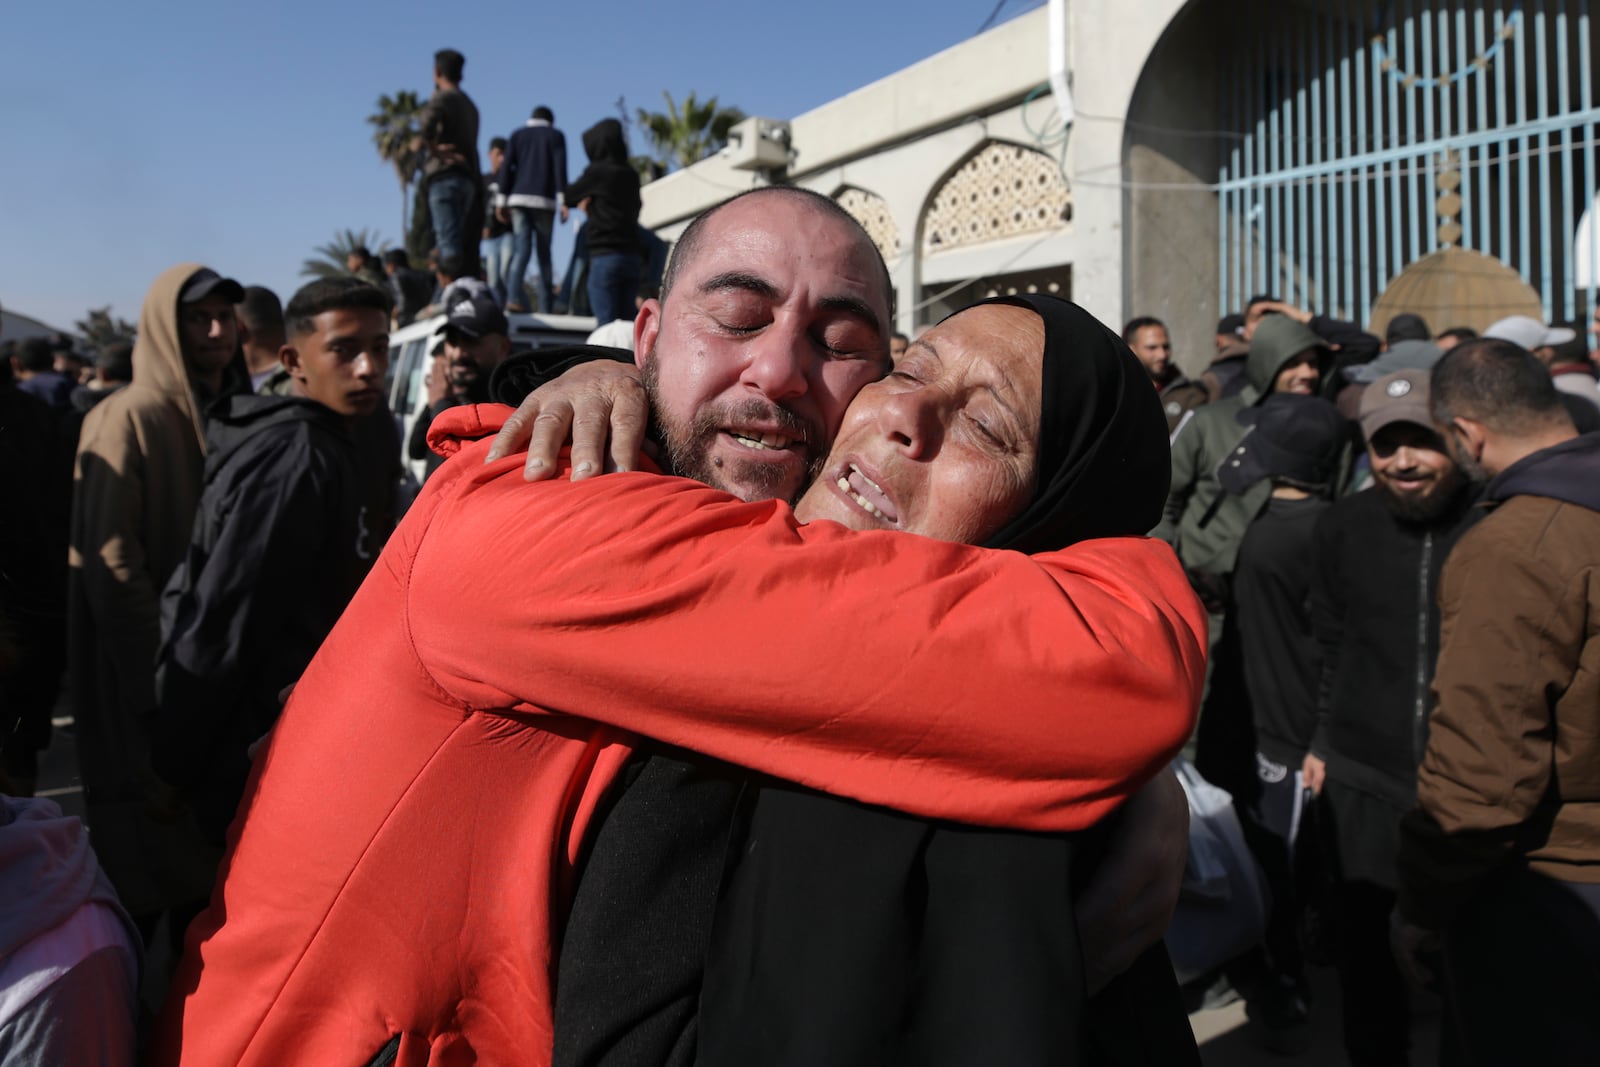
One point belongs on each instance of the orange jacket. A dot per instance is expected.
(410, 837)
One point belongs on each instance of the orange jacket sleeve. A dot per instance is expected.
(939, 679)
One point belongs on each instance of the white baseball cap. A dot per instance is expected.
(1528, 332)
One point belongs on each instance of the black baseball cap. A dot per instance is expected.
(1290, 436)
(205, 281)
(1233, 323)
(476, 316)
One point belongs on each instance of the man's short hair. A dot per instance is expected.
(115, 362)
(448, 64)
(1407, 327)
(1460, 333)
(261, 313)
(331, 294)
(685, 248)
(1259, 298)
(542, 112)
(35, 354)
(1131, 330)
(449, 266)
(396, 258)
(497, 142)
(1496, 383)
(362, 252)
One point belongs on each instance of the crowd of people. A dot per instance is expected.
(1402, 720)
(533, 771)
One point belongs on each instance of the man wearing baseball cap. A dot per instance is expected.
(140, 457)
(476, 341)
(1376, 559)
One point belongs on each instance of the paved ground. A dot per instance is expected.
(1226, 1037)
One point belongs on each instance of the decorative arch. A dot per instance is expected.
(1001, 190)
(872, 211)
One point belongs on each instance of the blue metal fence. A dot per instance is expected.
(1357, 143)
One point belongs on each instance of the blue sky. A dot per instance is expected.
(139, 135)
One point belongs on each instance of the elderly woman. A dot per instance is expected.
(410, 839)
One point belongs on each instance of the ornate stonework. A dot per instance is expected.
(1002, 191)
(872, 211)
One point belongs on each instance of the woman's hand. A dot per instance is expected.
(1129, 900)
(590, 405)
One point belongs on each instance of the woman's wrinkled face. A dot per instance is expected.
(947, 445)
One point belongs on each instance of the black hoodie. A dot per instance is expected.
(281, 540)
(611, 186)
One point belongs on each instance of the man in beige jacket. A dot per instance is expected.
(137, 481)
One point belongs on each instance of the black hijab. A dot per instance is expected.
(857, 936)
(1104, 462)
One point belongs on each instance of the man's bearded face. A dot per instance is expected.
(1415, 475)
(688, 444)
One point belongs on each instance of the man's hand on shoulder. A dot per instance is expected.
(1128, 903)
(599, 407)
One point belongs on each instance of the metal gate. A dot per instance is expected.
(1362, 137)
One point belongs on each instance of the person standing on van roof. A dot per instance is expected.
(282, 538)
(533, 180)
(608, 191)
(476, 341)
(449, 125)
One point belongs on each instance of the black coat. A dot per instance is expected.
(1271, 593)
(611, 186)
(1375, 613)
(282, 538)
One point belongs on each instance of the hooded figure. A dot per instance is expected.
(140, 458)
(610, 186)
(1200, 521)
(849, 934)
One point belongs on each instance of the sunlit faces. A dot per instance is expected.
(1154, 349)
(1413, 470)
(208, 332)
(767, 333)
(947, 445)
(341, 363)
(1299, 375)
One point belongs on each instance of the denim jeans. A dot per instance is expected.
(530, 235)
(613, 283)
(450, 201)
(496, 261)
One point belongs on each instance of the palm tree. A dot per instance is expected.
(395, 131)
(329, 261)
(687, 133)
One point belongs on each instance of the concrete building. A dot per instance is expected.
(1310, 149)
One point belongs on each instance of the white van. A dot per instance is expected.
(409, 348)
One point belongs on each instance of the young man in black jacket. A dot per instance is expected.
(608, 191)
(533, 181)
(282, 538)
(1377, 559)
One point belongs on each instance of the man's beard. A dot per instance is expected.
(1424, 509)
(687, 447)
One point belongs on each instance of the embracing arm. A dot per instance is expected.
(940, 679)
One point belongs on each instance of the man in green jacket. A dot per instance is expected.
(1201, 522)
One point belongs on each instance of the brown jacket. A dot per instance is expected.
(1179, 396)
(1512, 767)
(136, 486)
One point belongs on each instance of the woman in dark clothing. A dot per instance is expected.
(848, 934)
